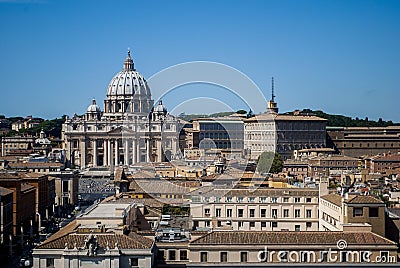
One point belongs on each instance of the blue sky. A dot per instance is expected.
(342, 57)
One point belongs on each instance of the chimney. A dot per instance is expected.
(323, 186)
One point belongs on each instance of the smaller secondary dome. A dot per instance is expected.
(160, 108)
(93, 108)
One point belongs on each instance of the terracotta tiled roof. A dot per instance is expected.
(120, 174)
(69, 228)
(27, 187)
(352, 199)
(386, 158)
(157, 186)
(316, 150)
(289, 238)
(35, 164)
(150, 202)
(133, 241)
(143, 174)
(6, 175)
(5, 191)
(262, 192)
(334, 199)
(10, 158)
(363, 199)
(284, 117)
(335, 158)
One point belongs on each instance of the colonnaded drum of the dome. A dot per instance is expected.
(129, 130)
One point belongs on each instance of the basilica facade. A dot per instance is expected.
(130, 129)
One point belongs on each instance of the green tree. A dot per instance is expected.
(269, 162)
(241, 112)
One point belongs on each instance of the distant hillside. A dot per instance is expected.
(333, 119)
(51, 127)
(190, 117)
(346, 121)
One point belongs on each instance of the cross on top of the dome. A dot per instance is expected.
(128, 64)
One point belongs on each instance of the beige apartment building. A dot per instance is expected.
(259, 210)
(351, 211)
(363, 141)
(321, 165)
(17, 146)
(282, 133)
(325, 165)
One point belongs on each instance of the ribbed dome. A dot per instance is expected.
(93, 108)
(128, 82)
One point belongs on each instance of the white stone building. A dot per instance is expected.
(282, 209)
(129, 130)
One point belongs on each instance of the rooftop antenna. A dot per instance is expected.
(273, 95)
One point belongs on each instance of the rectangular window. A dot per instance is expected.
(274, 224)
(373, 212)
(65, 187)
(229, 199)
(263, 199)
(286, 213)
(297, 213)
(251, 199)
(357, 212)
(239, 199)
(297, 228)
(263, 224)
(286, 200)
(252, 224)
(308, 213)
(171, 255)
(240, 224)
(218, 212)
(229, 213)
(308, 224)
(274, 200)
(49, 262)
(297, 199)
(243, 256)
(207, 212)
(263, 213)
(224, 256)
(308, 199)
(240, 212)
(134, 262)
(274, 213)
(252, 212)
(183, 255)
(203, 257)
